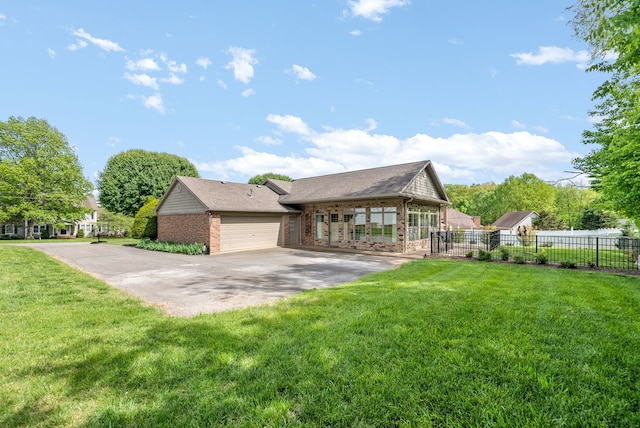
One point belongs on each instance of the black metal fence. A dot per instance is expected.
(571, 251)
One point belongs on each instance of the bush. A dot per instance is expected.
(484, 256)
(171, 247)
(469, 254)
(80, 233)
(518, 259)
(458, 236)
(504, 254)
(568, 264)
(145, 224)
(44, 234)
(547, 244)
(542, 258)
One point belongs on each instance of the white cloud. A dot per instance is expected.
(142, 80)
(372, 125)
(3, 19)
(467, 157)
(454, 41)
(289, 124)
(242, 63)
(355, 33)
(247, 92)
(222, 84)
(172, 79)
(113, 141)
(596, 118)
(301, 73)
(78, 45)
(203, 62)
(145, 64)
(173, 66)
(373, 9)
(541, 129)
(553, 55)
(104, 44)
(270, 141)
(153, 102)
(518, 125)
(52, 53)
(455, 122)
(493, 72)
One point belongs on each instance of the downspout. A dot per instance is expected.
(405, 243)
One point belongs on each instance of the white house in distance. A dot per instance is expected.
(88, 224)
(511, 221)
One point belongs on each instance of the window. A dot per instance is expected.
(360, 224)
(414, 224)
(383, 224)
(319, 225)
(348, 225)
(8, 229)
(424, 225)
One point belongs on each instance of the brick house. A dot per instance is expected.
(392, 208)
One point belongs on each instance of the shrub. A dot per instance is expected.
(542, 258)
(518, 259)
(484, 256)
(568, 264)
(473, 242)
(171, 247)
(458, 236)
(469, 254)
(44, 234)
(504, 254)
(145, 224)
(591, 264)
(80, 233)
(547, 244)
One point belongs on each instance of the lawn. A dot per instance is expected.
(112, 241)
(431, 343)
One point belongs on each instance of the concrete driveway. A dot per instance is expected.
(189, 285)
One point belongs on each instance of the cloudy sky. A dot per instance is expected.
(483, 89)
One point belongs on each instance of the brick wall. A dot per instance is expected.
(186, 229)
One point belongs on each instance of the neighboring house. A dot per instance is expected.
(516, 222)
(391, 208)
(69, 228)
(454, 219)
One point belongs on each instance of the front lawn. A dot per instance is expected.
(433, 343)
(112, 241)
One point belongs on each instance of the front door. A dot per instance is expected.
(334, 229)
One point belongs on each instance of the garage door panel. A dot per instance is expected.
(238, 233)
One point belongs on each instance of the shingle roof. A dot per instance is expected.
(456, 218)
(225, 196)
(389, 181)
(511, 219)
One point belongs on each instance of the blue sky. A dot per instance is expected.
(485, 90)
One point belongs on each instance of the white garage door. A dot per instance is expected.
(238, 233)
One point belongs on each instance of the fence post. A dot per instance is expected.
(597, 252)
(536, 243)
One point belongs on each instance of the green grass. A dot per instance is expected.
(112, 241)
(431, 343)
(613, 259)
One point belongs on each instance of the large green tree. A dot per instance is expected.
(130, 177)
(260, 178)
(41, 178)
(612, 28)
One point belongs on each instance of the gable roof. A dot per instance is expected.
(383, 182)
(456, 218)
(512, 219)
(216, 195)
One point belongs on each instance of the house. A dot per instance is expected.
(392, 208)
(516, 221)
(454, 219)
(65, 228)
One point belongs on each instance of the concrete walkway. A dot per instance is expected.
(185, 285)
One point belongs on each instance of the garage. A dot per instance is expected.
(249, 232)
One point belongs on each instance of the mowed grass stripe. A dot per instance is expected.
(431, 343)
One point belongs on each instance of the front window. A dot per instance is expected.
(383, 224)
(348, 225)
(319, 225)
(414, 226)
(360, 224)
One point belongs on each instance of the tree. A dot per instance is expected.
(116, 223)
(593, 219)
(130, 177)
(612, 28)
(41, 177)
(145, 224)
(260, 178)
(547, 220)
